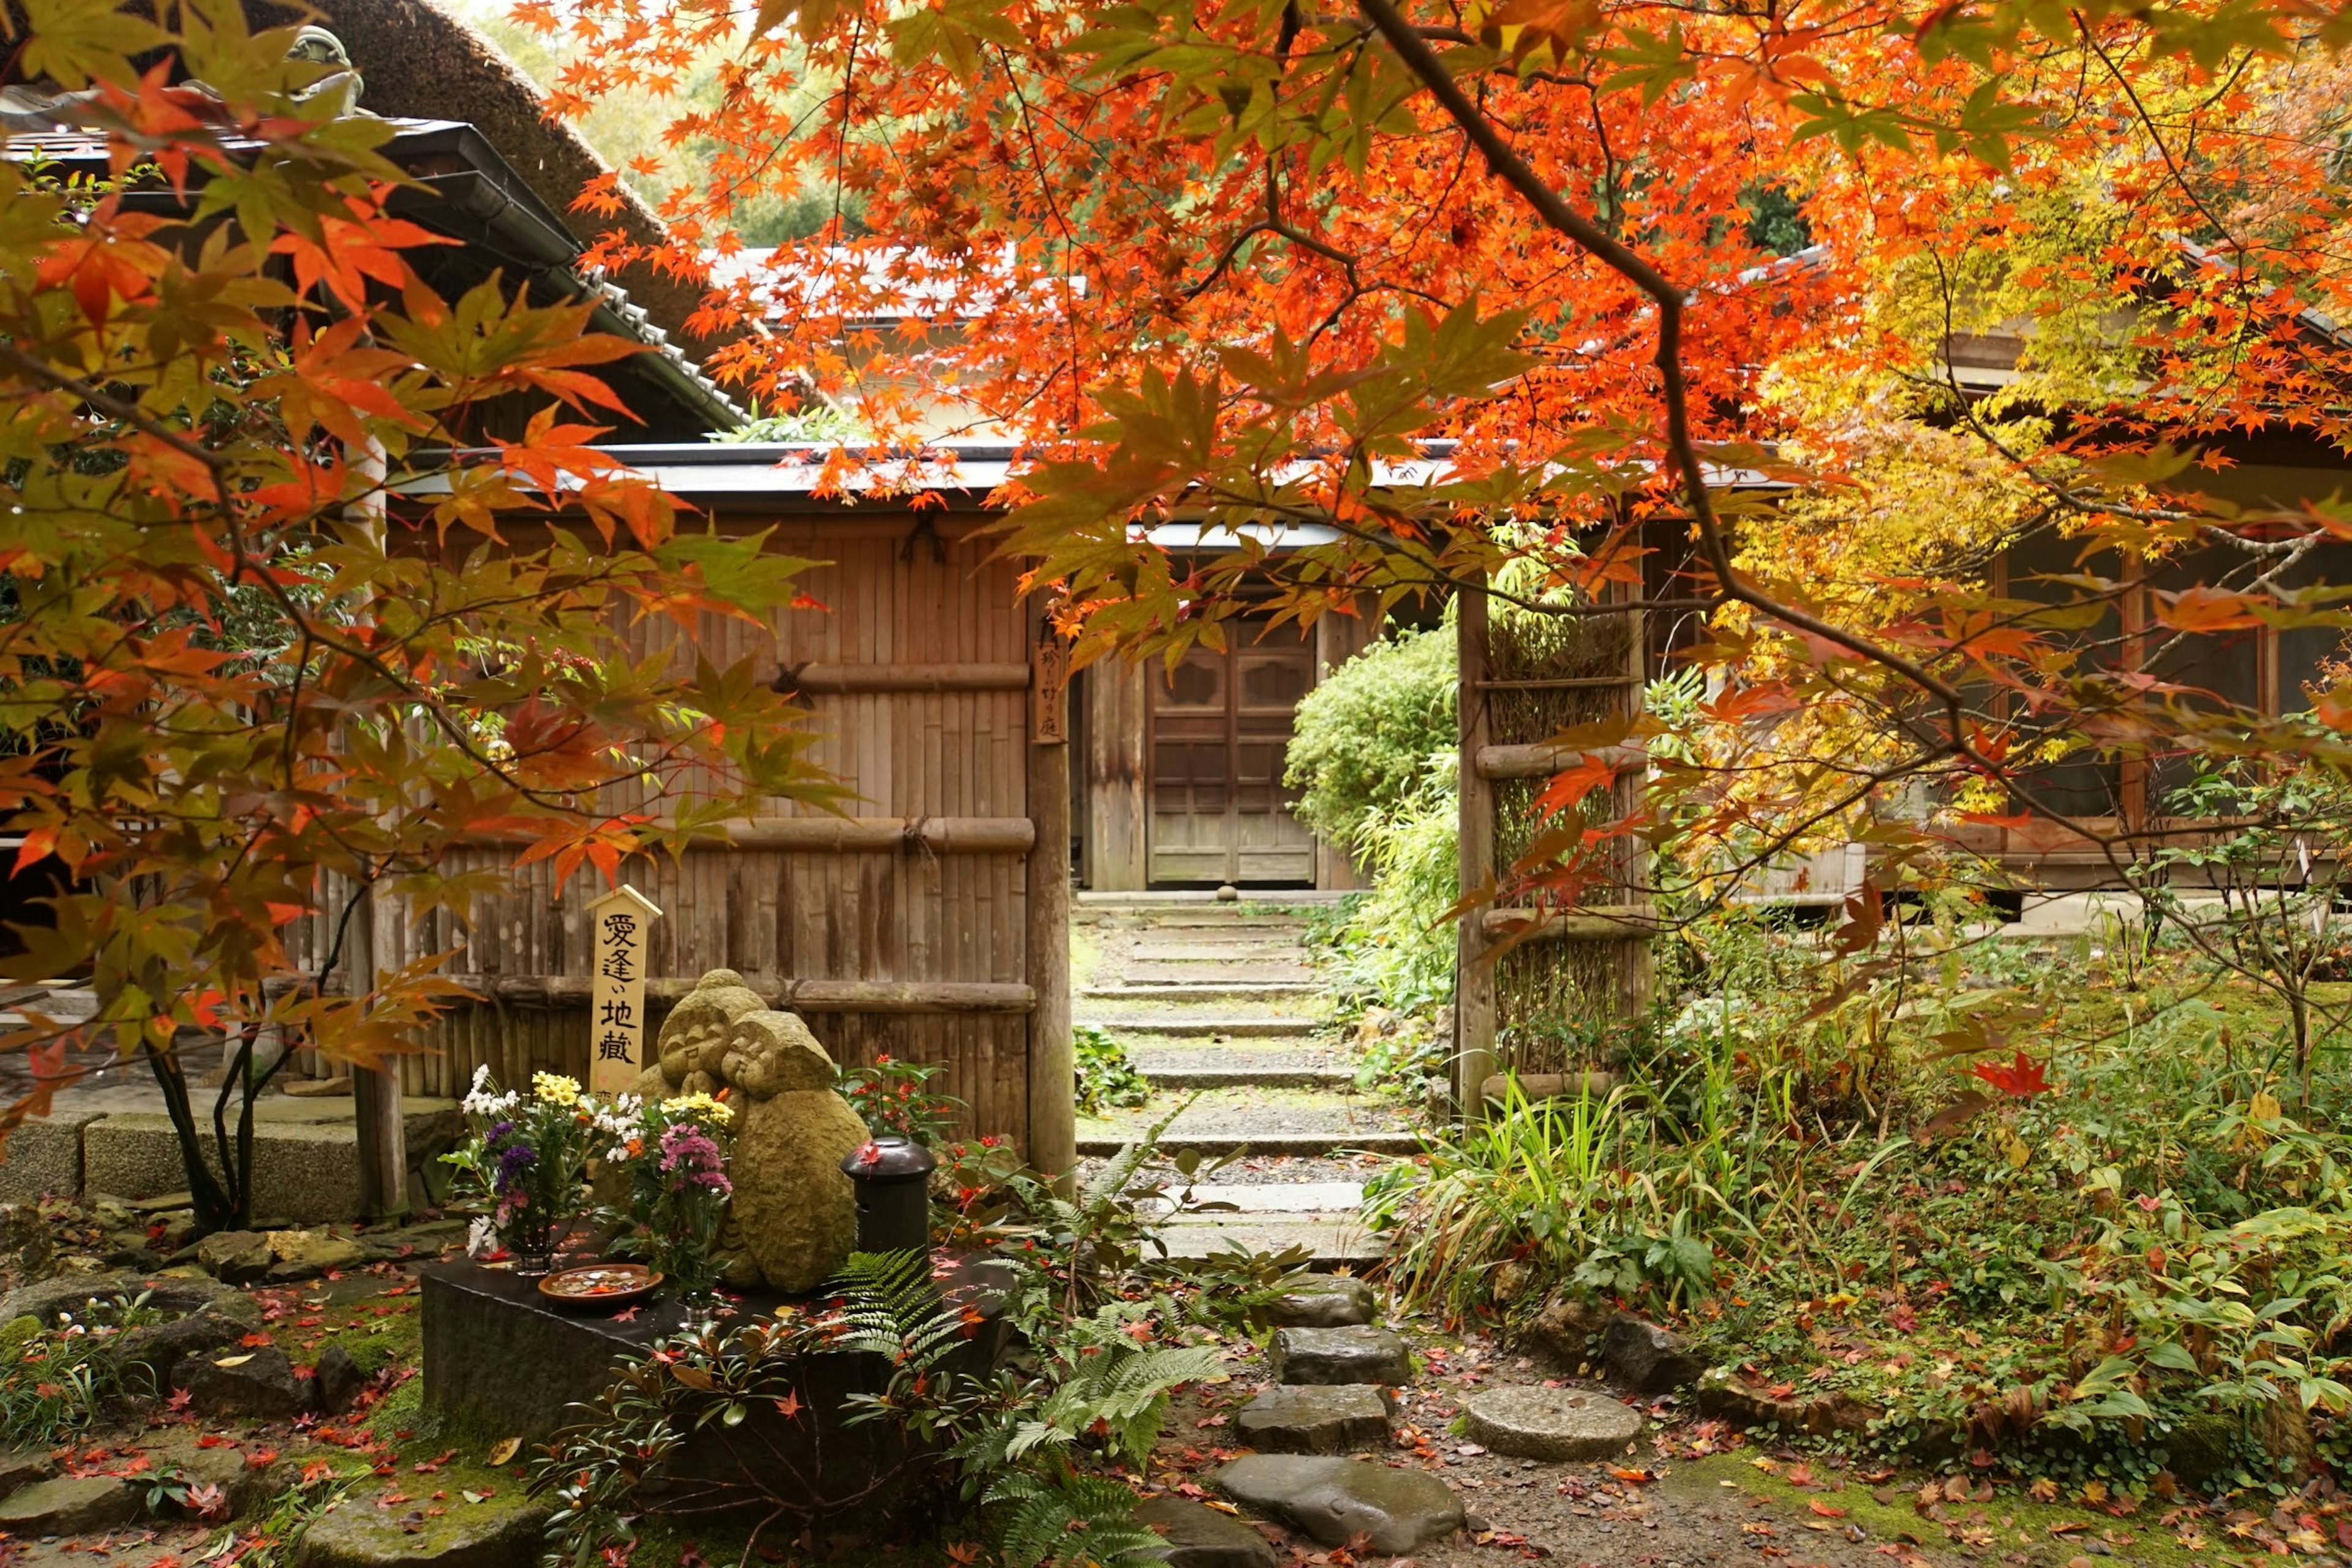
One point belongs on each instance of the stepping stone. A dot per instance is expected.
(20, 1467)
(1323, 1301)
(1358, 1353)
(71, 1505)
(1571, 1423)
(497, 1532)
(1199, 1536)
(1342, 1418)
(1334, 1501)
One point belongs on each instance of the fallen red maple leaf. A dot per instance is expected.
(2023, 1079)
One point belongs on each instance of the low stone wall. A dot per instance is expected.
(120, 1143)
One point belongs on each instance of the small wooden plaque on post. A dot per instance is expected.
(617, 996)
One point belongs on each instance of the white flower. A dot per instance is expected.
(481, 1237)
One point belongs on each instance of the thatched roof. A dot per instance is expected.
(420, 62)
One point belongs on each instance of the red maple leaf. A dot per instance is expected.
(2023, 1079)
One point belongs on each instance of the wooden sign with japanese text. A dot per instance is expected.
(617, 995)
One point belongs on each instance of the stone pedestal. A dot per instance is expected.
(502, 1361)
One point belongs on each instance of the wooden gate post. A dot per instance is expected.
(1474, 981)
(1053, 1078)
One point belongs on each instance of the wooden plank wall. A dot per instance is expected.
(906, 913)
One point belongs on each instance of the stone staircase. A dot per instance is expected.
(1219, 1006)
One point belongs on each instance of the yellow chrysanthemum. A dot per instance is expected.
(700, 1107)
(554, 1089)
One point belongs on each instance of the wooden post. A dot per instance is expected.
(1115, 807)
(1473, 982)
(1053, 1079)
(379, 1124)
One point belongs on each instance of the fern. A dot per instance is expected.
(891, 1307)
(1068, 1517)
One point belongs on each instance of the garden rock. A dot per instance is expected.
(1646, 1358)
(337, 1379)
(1566, 1325)
(1559, 1423)
(1334, 1501)
(1342, 1419)
(259, 1382)
(69, 1505)
(307, 1254)
(235, 1257)
(165, 1292)
(1356, 1354)
(1323, 1301)
(499, 1531)
(20, 1467)
(1199, 1536)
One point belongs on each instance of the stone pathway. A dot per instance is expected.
(1218, 1003)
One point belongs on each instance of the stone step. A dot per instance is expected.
(1263, 1121)
(1257, 1199)
(1206, 991)
(1202, 1027)
(1218, 1066)
(1331, 1240)
(1220, 975)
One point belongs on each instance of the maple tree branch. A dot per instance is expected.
(113, 408)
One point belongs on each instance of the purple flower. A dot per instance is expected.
(513, 1160)
(691, 1160)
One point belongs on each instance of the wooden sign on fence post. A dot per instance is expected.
(617, 995)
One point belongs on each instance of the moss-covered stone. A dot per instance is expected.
(501, 1532)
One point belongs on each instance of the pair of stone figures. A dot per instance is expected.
(793, 1218)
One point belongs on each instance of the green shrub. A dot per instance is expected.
(1107, 1076)
(58, 1377)
(1367, 740)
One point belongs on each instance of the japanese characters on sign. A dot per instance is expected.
(616, 994)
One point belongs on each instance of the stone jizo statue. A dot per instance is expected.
(793, 1218)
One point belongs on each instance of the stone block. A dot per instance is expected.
(498, 1358)
(1356, 1354)
(304, 1168)
(44, 1157)
(1556, 1423)
(1323, 1301)
(1334, 1419)
(1335, 1500)
(1199, 1536)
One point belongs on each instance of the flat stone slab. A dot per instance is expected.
(1335, 1500)
(71, 1505)
(1358, 1353)
(501, 1531)
(1330, 1240)
(1342, 1418)
(1564, 1423)
(1199, 1536)
(1324, 1301)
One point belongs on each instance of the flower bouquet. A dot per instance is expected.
(526, 1157)
(676, 1156)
